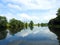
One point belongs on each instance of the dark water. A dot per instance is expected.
(37, 36)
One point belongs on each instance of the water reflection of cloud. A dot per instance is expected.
(24, 33)
(37, 32)
(37, 36)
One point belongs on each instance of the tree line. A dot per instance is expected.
(14, 23)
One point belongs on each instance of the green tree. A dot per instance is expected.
(43, 24)
(31, 24)
(58, 15)
(16, 24)
(58, 12)
(56, 21)
(3, 22)
(38, 24)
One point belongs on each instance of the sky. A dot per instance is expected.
(39, 11)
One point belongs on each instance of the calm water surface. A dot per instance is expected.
(37, 36)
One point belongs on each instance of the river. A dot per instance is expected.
(35, 36)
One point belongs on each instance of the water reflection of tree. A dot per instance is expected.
(56, 31)
(26, 25)
(3, 33)
(31, 28)
(14, 31)
(31, 25)
(15, 26)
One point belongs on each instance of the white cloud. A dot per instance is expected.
(25, 17)
(35, 4)
(45, 17)
(28, 17)
(48, 17)
(8, 16)
(35, 18)
(14, 6)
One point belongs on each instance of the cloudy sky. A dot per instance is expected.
(37, 10)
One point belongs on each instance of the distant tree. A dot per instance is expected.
(44, 24)
(38, 24)
(31, 24)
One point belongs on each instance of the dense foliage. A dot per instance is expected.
(16, 24)
(56, 21)
(43, 24)
(3, 22)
